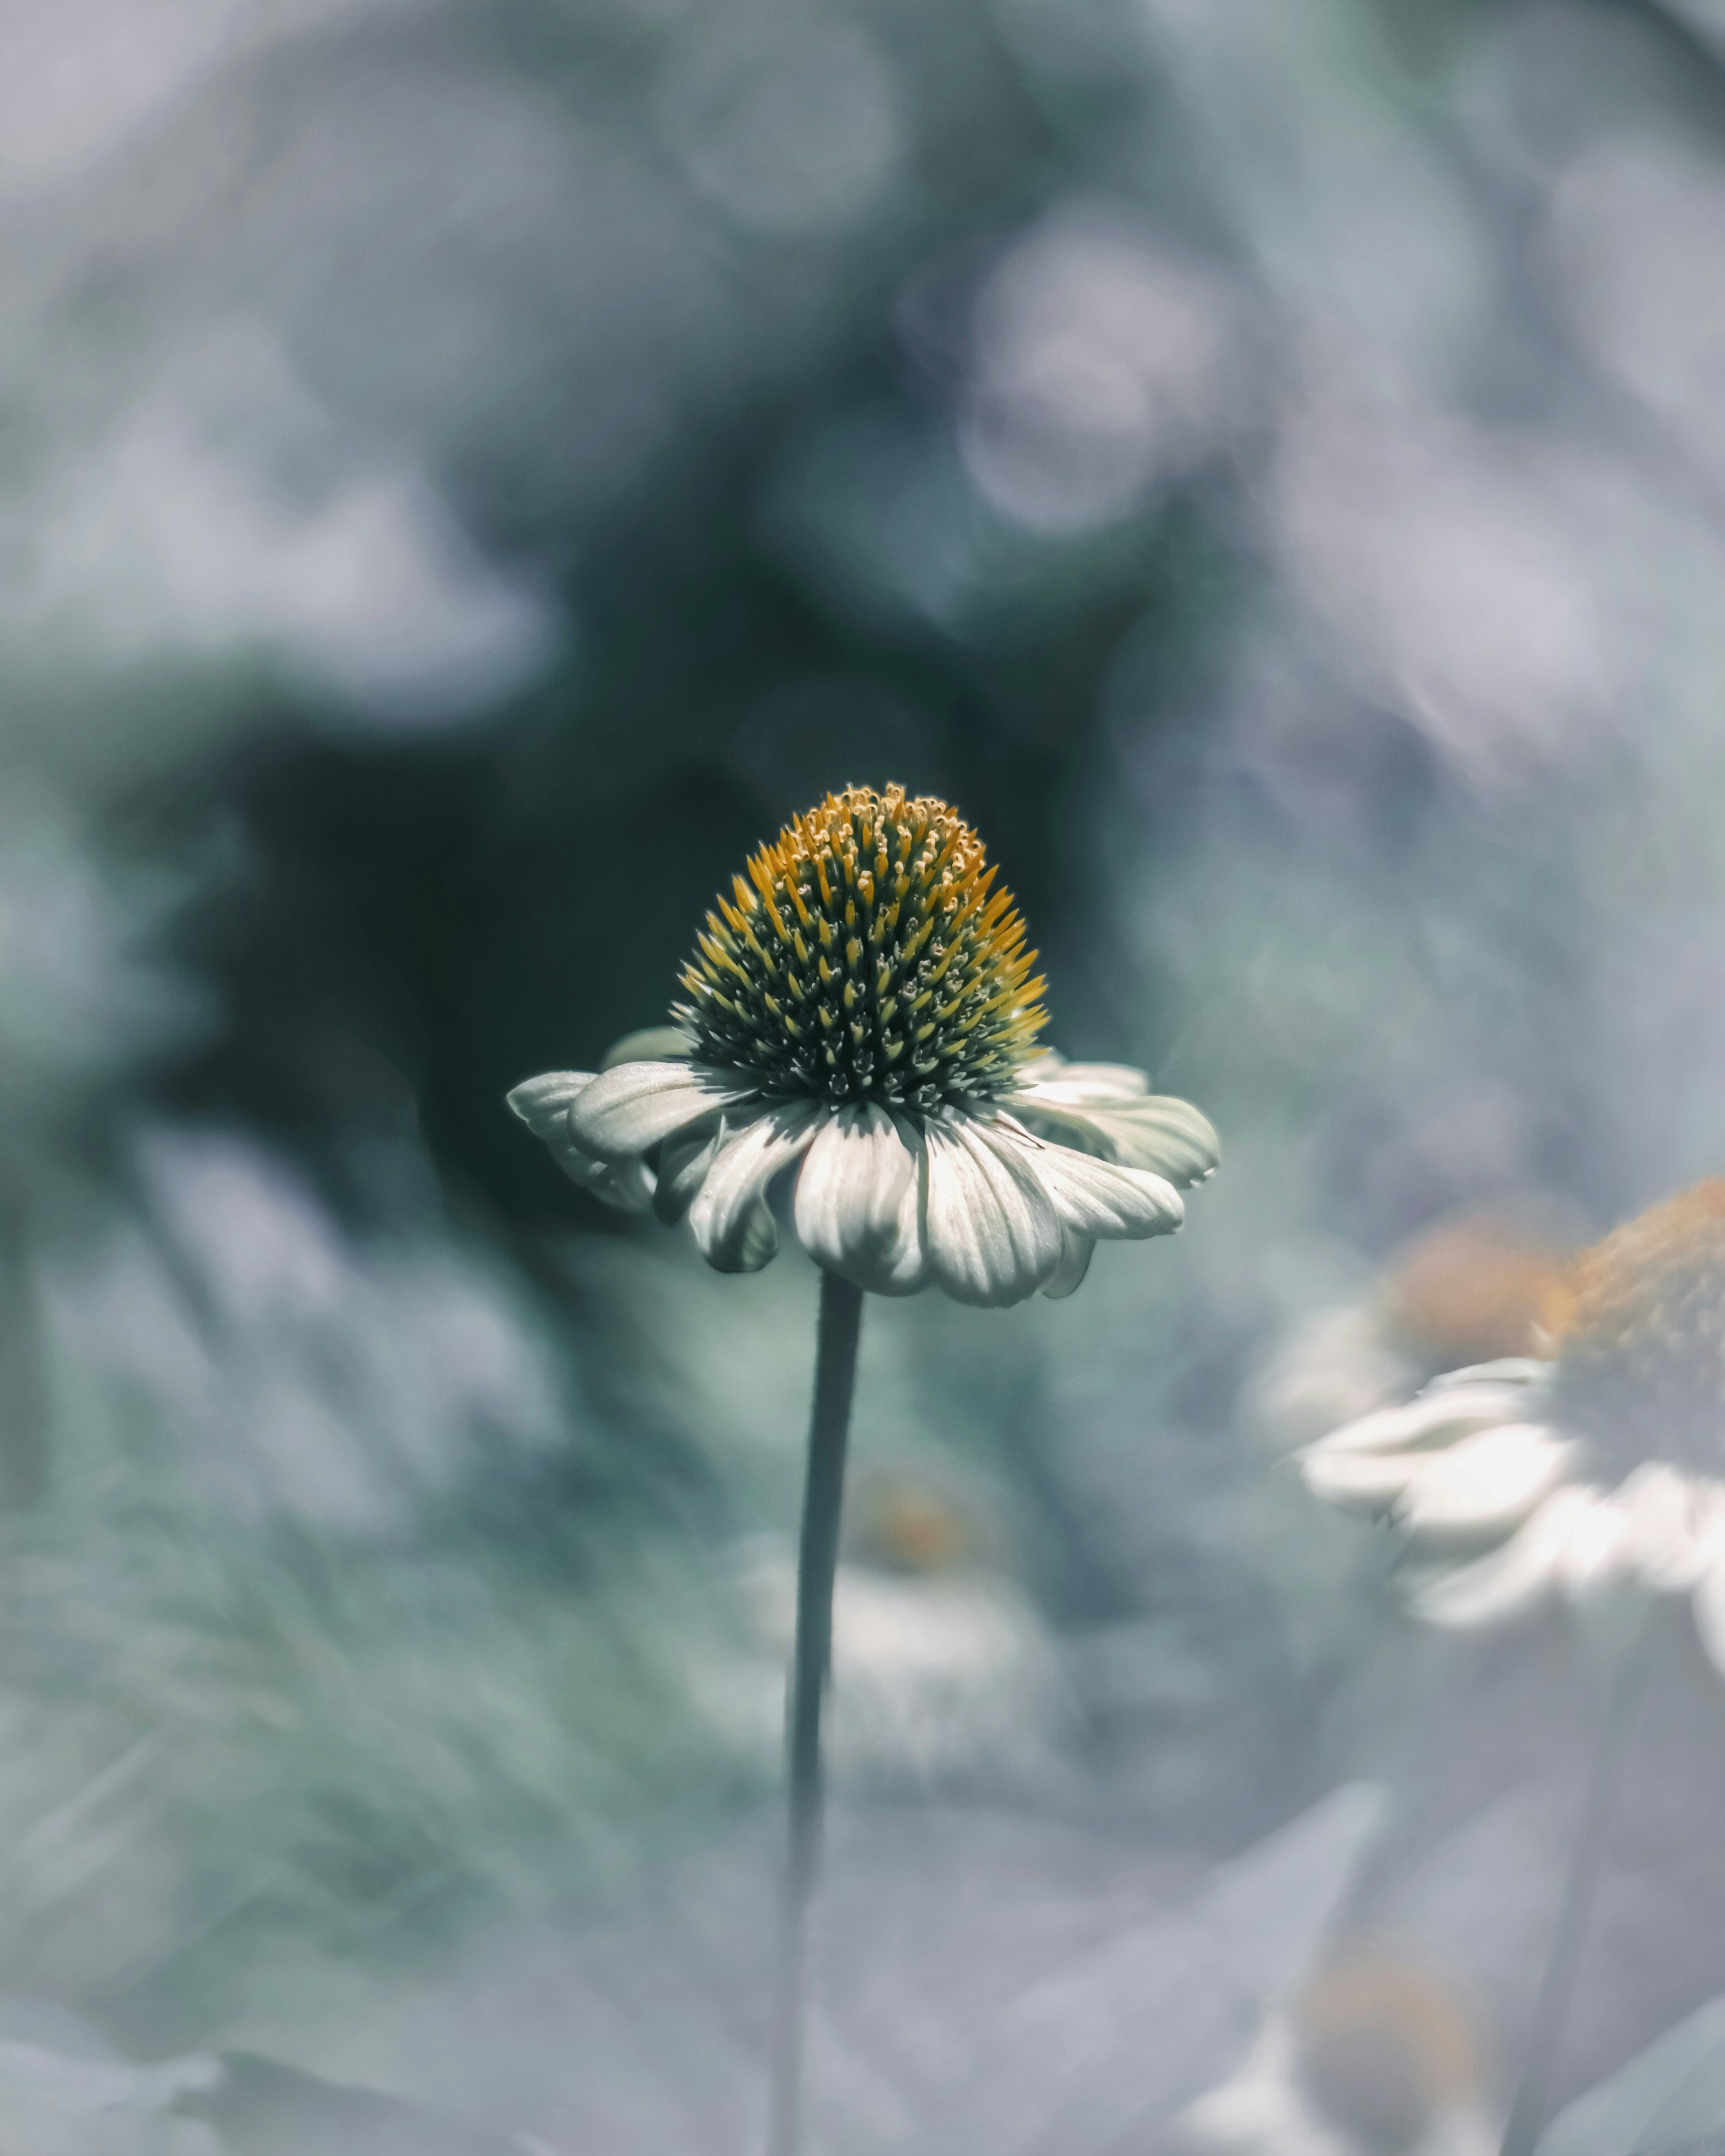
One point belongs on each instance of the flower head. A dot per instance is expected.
(867, 956)
(1600, 1465)
(861, 1011)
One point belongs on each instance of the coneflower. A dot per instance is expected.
(861, 1022)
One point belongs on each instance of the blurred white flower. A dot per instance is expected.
(940, 1664)
(1102, 364)
(790, 126)
(1602, 1468)
(1475, 1287)
(865, 1010)
(82, 76)
(226, 513)
(1461, 584)
(1375, 2054)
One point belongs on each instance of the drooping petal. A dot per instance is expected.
(1594, 1560)
(628, 1185)
(1097, 1198)
(1085, 1082)
(543, 1105)
(857, 1207)
(1167, 1137)
(1514, 1578)
(1484, 1485)
(993, 1235)
(649, 1044)
(1368, 1483)
(684, 1160)
(729, 1218)
(1067, 1277)
(1435, 1417)
(1671, 1523)
(1507, 1370)
(903, 1267)
(633, 1106)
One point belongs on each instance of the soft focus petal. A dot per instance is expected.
(1067, 1277)
(1365, 1482)
(1671, 1521)
(729, 1218)
(543, 1106)
(1595, 1556)
(649, 1044)
(629, 1109)
(1483, 1485)
(856, 1207)
(993, 1236)
(1513, 1578)
(1433, 1419)
(1096, 1198)
(1167, 1137)
(1507, 1370)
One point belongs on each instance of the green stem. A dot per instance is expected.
(1526, 2113)
(817, 1564)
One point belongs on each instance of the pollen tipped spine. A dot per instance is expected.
(875, 917)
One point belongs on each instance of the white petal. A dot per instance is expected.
(992, 1237)
(543, 1105)
(1097, 1198)
(1067, 1277)
(1595, 1556)
(730, 1220)
(630, 1108)
(904, 1268)
(1511, 1579)
(538, 1100)
(631, 1186)
(1507, 1370)
(1659, 1532)
(1085, 1082)
(1483, 1485)
(684, 1160)
(1169, 1137)
(858, 1203)
(649, 1044)
(628, 1185)
(1365, 1482)
(1671, 1521)
(1433, 1419)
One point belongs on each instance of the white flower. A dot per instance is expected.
(939, 1663)
(1522, 1480)
(1474, 1287)
(1376, 2054)
(862, 1016)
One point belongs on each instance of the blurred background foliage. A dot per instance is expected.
(469, 471)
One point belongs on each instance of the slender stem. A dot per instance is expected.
(817, 1564)
(1527, 2113)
